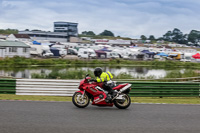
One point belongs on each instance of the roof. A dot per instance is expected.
(22, 36)
(13, 44)
(65, 22)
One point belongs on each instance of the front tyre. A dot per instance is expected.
(79, 101)
(123, 104)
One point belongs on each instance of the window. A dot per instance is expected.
(33, 49)
(12, 49)
(25, 50)
(85, 52)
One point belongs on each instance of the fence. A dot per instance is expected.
(164, 89)
(51, 87)
(46, 87)
(7, 86)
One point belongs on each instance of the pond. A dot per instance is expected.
(134, 71)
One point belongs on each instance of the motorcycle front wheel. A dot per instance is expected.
(79, 100)
(123, 104)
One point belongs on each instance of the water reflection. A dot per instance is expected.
(134, 71)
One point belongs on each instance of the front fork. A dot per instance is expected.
(83, 95)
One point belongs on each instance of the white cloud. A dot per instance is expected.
(123, 17)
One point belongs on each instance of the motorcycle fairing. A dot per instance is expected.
(101, 102)
(120, 86)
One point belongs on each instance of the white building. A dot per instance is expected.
(14, 48)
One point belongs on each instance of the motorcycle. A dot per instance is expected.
(93, 90)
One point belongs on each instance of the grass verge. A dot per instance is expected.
(168, 100)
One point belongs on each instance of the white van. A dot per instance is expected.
(86, 53)
(61, 48)
(40, 50)
(113, 55)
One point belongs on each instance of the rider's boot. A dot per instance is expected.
(110, 95)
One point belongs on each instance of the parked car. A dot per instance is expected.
(86, 53)
(72, 51)
(112, 55)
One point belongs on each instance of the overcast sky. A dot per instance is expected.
(128, 18)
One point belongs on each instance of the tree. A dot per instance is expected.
(143, 37)
(175, 36)
(168, 36)
(36, 30)
(91, 33)
(151, 37)
(106, 33)
(194, 36)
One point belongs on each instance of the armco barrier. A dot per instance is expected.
(55, 87)
(7, 86)
(164, 89)
(47, 87)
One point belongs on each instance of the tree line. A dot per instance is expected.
(176, 36)
(193, 38)
(8, 31)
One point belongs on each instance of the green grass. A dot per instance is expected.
(28, 62)
(168, 100)
(33, 98)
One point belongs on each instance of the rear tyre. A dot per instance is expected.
(123, 104)
(80, 102)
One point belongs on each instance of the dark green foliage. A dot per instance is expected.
(25, 62)
(143, 37)
(106, 33)
(194, 36)
(151, 37)
(8, 31)
(55, 74)
(90, 33)
(175, 36)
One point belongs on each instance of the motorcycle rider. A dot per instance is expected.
(106, 78)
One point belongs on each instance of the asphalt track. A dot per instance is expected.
(64, 117)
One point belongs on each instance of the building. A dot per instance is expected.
(47, 36)
(14, 48)
(62, 32)
(18, 37)
(67, 27)
(3, 37)
(118, 42)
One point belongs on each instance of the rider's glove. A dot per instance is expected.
(93, 80)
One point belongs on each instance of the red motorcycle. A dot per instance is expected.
(93, 90)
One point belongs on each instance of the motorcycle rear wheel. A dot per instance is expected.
(80, 102)
(125, 104)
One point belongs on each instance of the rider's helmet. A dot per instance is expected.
(97, 71)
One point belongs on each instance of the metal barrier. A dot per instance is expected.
(47, 87)
(51, 87)
(7, 86)
(164, 89)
